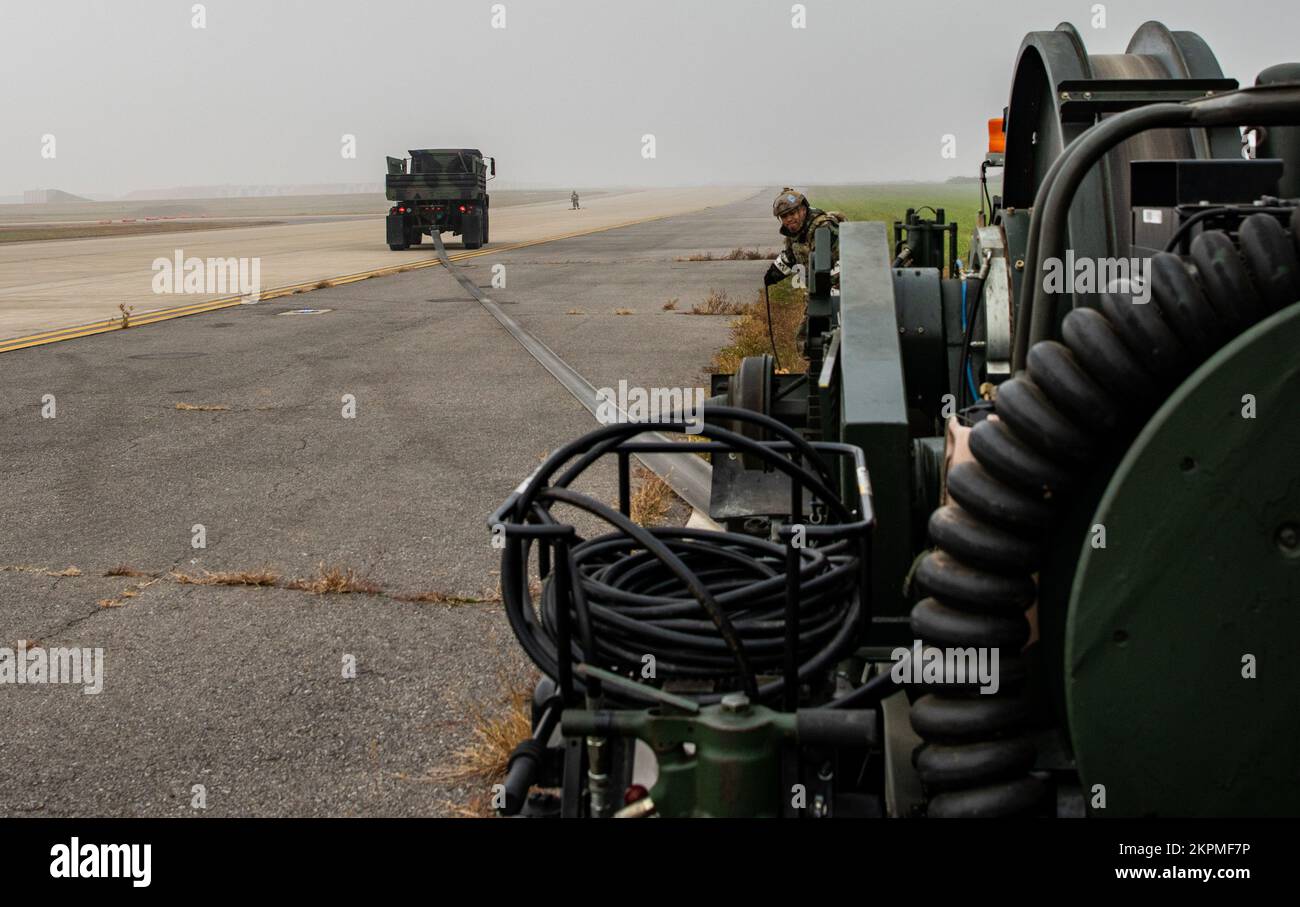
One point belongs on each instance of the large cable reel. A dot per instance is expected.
(1059, 91)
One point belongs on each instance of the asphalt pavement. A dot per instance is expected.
(373, 434)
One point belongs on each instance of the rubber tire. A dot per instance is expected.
(402, 248)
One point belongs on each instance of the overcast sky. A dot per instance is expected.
(138, 98)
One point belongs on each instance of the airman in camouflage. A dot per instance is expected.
(574, 199)
(799, 223)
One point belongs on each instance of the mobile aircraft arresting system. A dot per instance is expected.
(1088, 483)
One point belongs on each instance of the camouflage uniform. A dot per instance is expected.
(574, 198)
(799, 246)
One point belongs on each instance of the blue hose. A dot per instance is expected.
(970, 372)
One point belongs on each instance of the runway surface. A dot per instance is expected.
(51, 285)
(241, 689)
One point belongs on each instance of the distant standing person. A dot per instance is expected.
(574, 198)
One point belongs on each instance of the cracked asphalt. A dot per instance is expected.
(241, 689)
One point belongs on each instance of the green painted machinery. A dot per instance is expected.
(1089, 484)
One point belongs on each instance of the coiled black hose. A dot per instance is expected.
(638, 607)
(708, 606)
(1115, 367)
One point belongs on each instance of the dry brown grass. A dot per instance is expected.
(652, 500)
(126, 311)
(624, 311)
(262, 577)
(749, 334)
(737, 254)
(202, 407)
(447, 598)
(575, 312)
(478, 806)
(718, 303)
(328, 580)
(125, 570)
(495, 731)
(128, 592)
(334, 580)
(671, 305)
(44, 571)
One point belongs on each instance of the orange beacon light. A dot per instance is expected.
(997, 137)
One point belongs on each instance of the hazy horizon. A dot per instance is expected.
(137, 99)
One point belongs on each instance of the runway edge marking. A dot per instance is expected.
(199, 308)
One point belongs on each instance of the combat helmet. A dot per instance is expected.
(787, 201)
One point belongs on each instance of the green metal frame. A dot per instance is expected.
(873, 405)
(733, 771)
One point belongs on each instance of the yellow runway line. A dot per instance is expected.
(198, 308)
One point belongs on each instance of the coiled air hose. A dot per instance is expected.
(640, 607)
(708, 607)
(1115, 367)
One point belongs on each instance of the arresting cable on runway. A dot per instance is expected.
(689, 476)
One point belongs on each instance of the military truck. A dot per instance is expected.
(438, 189)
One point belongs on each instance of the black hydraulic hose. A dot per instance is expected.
(527, 759)
(1021, 333)
(638, 607)
(791, 387)
(589, 447)
(1052, 207)
(1262, 105)
(1218, 210)
(1079, 159)
(1096, 389)
(771, 336)
(701, 592)
(869, 693)
(984, 166)
(706, 605)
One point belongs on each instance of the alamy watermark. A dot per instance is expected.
(921, 665)
(651, 404)
(1096, 275)
(54, 665)
(234, 276)
(75, 860)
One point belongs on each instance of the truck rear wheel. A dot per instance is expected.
(399, 247)
(472, 237)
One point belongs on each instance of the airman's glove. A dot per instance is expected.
(773, 275)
